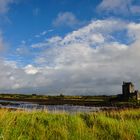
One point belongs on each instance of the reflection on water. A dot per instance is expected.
(31, 106)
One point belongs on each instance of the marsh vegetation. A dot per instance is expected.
(41, 125)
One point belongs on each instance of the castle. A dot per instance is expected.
(129, 92)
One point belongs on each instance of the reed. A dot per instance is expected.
(42, 125)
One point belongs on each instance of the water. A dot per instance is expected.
(50, 108)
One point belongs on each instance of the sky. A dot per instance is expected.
(70, 47)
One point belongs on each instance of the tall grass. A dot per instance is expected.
(37, 125)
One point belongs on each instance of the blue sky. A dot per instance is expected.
(69, 46)
(25, 20)
(36, 16)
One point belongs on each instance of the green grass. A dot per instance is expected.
(59, 96)
(37, 125)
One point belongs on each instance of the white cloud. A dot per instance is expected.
(95, 33)
(66, 19)
(134, 29)
(85, 58)
(123, 7)
(52, 41)
(29, 69)
(86, 61)
(43, 33)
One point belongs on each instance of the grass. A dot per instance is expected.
(61, 99)
(37, 125)
(56, 100)
(61, 96)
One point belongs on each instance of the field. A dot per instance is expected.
(58, 100)
(37, 125)
(71, 100)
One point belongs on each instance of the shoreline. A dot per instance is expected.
(68, 102)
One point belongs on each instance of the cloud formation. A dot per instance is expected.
(66, 19)
(86, 61)
(117, 7)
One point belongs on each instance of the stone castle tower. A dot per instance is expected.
(129, 92)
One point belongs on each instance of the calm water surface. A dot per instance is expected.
(51, 108)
